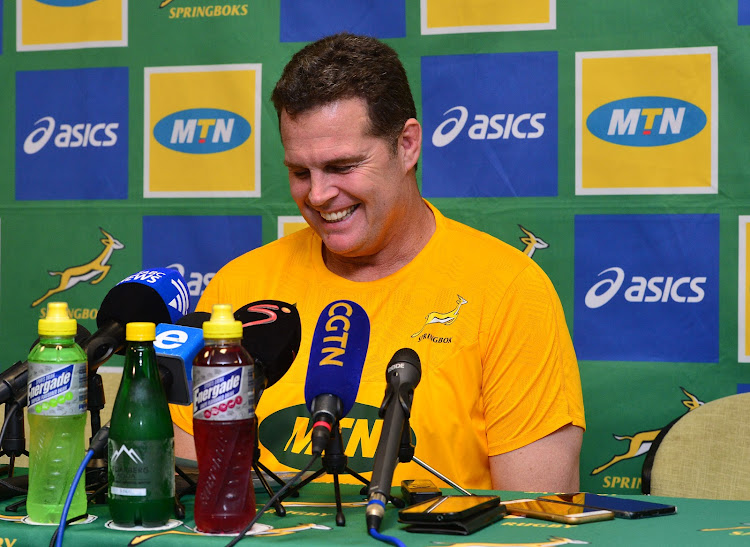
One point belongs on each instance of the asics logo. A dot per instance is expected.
(497, 126)
(70, 136)
(655, 289)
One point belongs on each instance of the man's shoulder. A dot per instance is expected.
(468, 240)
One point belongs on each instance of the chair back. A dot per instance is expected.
(704, 454)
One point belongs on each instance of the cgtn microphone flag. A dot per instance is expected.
(338, 352)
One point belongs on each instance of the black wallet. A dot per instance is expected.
(462, 527)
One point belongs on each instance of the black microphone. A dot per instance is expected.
(271, 334)
(337, 357)
(158, 295)
(402, 375)
(14, 379)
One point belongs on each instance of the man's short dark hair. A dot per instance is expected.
(344, 66)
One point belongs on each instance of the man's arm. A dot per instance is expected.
(550, 464)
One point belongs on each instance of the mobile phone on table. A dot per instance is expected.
(556, 512)
(447, 508)
(621, 507)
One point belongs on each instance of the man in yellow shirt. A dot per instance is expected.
(499, 404)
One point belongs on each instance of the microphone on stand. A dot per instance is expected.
(402, 375)
(271, 333)
(158, 295)
(176, 346)
(337, 357)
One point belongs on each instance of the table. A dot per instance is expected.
(697, 522)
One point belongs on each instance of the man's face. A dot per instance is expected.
(351, 187)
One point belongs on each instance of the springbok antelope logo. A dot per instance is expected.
(270, 532)
(640, 442)
(552, 542)
(95, 270)
(443, 318)
(532, 242)
(164, 3)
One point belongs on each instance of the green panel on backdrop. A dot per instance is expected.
(43, 260)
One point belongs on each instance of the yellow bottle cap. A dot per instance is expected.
(140, 332)
(58, 321)
(222, 324)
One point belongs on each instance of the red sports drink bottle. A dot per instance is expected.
(224, 426)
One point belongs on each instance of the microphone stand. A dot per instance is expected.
(14, 445)
(334, 463)
(257, 467)
(406, 455)
(97, 354)
(96, 470)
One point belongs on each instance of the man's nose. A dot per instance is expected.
(322, 188)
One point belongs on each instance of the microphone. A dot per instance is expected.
(402, 375)
(337, 357)
(271, 334)
(158, 295)
(14, 380)
(176, 346)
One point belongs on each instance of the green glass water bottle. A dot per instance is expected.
(141, 439)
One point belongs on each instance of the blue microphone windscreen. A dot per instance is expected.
(167, 283)
(337, 354)
(176, 346)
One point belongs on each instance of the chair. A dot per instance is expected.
(703, 454)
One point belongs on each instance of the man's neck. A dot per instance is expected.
(390, 260)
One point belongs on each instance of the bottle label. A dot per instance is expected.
(56, 390)
(223, 394)
(141, 468)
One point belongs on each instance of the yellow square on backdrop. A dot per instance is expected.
(290, 224)
(78, 24)
(202, 126)
(459, 16)
(657, 127)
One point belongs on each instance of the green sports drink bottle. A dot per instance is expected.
(57, 391)
(141, 439)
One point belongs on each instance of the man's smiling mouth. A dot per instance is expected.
(338, 216)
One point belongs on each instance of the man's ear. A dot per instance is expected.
(410, 143)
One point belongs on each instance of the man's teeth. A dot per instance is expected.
(339, 215)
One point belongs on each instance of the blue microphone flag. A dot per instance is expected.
(170, 286)
(176, 346)
(338, 352)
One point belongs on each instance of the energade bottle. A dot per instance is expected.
(141, 439)
(224, 426)
(57, 417)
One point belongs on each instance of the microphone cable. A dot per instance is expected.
(97, 443)
(273, 500)
(386, 539)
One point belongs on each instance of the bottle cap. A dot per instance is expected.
(58, 321)
(140, 332)
(222, 324)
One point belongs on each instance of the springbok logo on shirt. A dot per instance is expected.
(532, 242)
(639, 443)
(442, 318)
(93, 271)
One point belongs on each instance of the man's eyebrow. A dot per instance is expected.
(347, 160)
